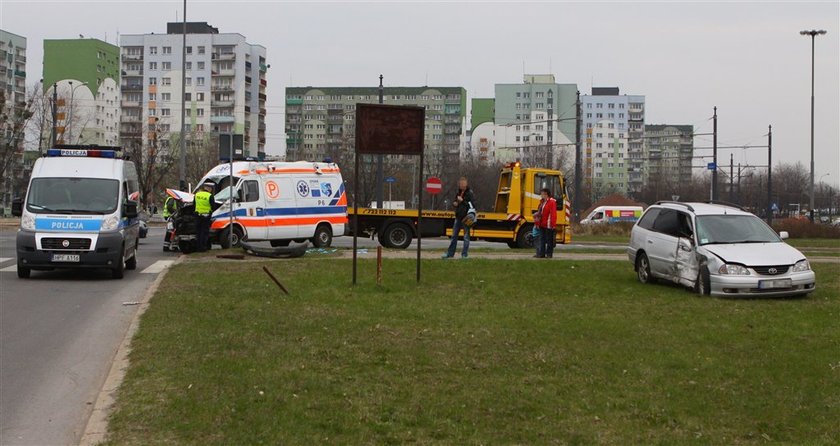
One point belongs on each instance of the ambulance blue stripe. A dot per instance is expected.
(288, 211)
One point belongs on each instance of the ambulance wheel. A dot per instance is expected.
(226, 241)
(397, 235)
(524, 239)
(23, 272)
(118, 272)
(131, 264)
(323, 236)
(279, 243)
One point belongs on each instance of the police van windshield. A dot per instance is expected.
(73, 196)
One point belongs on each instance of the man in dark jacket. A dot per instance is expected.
(463, 203)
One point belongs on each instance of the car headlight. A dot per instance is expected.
(801, 265)
(27, 221)
(110, 223)
(734, 270)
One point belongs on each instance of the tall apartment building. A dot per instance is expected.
(225, 87)
(533, 120)
(86, 73)
(321, 120)
(613, 148)
(13, 86)
(669, 153)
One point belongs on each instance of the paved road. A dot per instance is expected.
(58, 334)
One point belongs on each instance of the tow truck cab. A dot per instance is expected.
(80, 211)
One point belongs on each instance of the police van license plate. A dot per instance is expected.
(65, 258)
(778, 283)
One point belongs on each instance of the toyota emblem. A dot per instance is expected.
(772, 271)
(65, 243)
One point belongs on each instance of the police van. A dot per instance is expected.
(279, 202)
(80, 211)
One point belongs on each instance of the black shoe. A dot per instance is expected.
(538, 257)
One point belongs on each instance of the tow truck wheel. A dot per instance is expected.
(396, 235)
(512, 245)
(23, 272)
(323, 236)
(226, 241)
(524, 239)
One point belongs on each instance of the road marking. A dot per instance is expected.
(5, 259)
(9, 269)
(157, 267)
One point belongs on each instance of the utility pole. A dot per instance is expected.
(813, 33)
(770, 175)
(380, 158)
(731, 177)
(739, 183)
(182, 160)
(714, 156)
(578, 136)
(54, 113)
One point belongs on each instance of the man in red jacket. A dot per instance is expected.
(547, 225)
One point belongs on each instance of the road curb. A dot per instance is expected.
(97, 426)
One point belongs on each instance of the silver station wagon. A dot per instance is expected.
(716, 249)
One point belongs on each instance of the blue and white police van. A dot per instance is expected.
(80, 211)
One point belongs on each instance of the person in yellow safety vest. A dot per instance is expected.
(205, 204)
(168, 207)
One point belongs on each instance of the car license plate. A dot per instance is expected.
(778, 283)
(65, 258)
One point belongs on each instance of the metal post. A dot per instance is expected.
(182, 160)
(769, 174)
(232, 201)
(380, 158)
(739, 183)
(68, 123)
(578, 173)
(811, 187)
(54, 114)
(714, 157)
(420, 212)
(731, 178)
(355, 211)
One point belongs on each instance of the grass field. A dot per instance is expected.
(485, 351)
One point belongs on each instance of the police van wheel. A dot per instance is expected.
(23, 272)
(397, 235)
(118, 271)
(225, 239)
(323, 236)
(131, 263)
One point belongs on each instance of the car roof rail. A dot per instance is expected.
(725, 203)
(679, 203)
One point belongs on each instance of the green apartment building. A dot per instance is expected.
(321, 120)
(86, 73)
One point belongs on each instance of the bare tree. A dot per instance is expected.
(14, 119)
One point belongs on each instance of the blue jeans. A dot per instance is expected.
(546, 242)
(456, 228)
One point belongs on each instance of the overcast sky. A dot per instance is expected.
(747, 59)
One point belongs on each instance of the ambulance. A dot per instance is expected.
(279, 202)
(80, 211)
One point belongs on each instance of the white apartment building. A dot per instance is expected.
(225, 86)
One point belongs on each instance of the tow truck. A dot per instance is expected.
(511, 220)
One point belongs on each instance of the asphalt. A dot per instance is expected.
(59, 332)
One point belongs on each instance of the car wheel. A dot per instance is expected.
(643, 269)
(397, 235)
(323, 236)
(702, 285)
(279, 243)
(23, 272)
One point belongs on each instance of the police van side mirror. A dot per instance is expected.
(130, 209)
(17, 207)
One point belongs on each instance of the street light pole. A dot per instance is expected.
(54, 114)
(813, 33)
(70, 113)
(182, 158)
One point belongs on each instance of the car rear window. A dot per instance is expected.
(649, 217)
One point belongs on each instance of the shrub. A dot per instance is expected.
(621, 228)
(803, 228)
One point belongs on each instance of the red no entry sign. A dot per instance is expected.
(434, 185)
